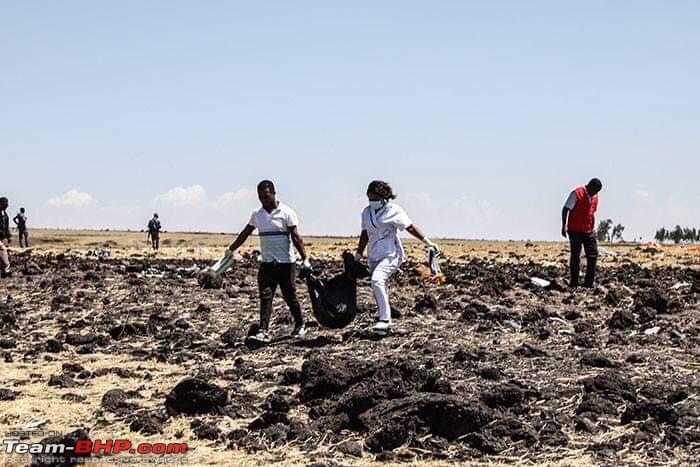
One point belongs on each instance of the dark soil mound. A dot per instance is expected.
(195, 396)
(611, 383)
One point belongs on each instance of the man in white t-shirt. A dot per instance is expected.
(277, 227)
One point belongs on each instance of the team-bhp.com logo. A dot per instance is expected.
(84, 447)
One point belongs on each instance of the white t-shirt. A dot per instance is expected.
(382, 229)
(273, 229)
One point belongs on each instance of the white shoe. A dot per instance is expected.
(382, 326)
(261, 336)
(299, 331)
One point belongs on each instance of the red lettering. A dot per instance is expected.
(99, 445)
(83, 446)
(158, 448)
(177, 448)
(121, 445)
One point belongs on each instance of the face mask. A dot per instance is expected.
(376, 205)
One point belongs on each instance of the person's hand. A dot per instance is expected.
(306, 264)
(204, 275)
(432, 245)
(358, 256)
(563, 232)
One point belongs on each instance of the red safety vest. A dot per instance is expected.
(582, 217)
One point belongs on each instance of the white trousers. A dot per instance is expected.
(381, 272)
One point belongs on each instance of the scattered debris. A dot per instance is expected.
(449, 385)
(539, 282)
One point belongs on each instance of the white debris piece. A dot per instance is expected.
(604, 253)
(539, 282)
(36, 423)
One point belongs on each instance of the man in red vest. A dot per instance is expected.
(580, 210)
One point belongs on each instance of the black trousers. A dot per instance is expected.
(23, 238)
(270, 276)
(590, 244)
(155, 241)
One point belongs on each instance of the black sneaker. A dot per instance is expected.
(299, 331)
(5, 274)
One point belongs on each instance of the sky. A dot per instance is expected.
(482, 115)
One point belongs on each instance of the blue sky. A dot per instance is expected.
(483, 115)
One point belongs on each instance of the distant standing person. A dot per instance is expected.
(277, 225)
(4, 238)
(381, 222)
(578, 221)
(154, 228)
(20, 221)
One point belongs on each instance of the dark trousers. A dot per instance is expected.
(155, 241)
(270, 276)
(590, 244)
(23, 239)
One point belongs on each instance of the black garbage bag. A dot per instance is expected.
(334, 301)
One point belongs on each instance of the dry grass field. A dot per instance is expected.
(210, 246)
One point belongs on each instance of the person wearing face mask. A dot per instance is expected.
(381, 222)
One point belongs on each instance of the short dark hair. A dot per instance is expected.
(381, 189)
(266, 185)
(21, 209)
(3, 200)
(596, 184)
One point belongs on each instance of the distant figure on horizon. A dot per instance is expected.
(20, 221)
(5, 238)
(154, 228)
(580, 209)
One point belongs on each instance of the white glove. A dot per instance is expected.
(306, 264)
(358, 256)
(431, 244)
(223, 264)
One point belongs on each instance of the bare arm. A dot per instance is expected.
(416, 232)
(298, 241)
(15, 220)
(362, 244)
(564, 216)
(242, 237)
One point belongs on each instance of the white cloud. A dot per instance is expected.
(234, 199)
(225, 212)
(462, 216)
(182, 197)
(72, 198)
(642, 194)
